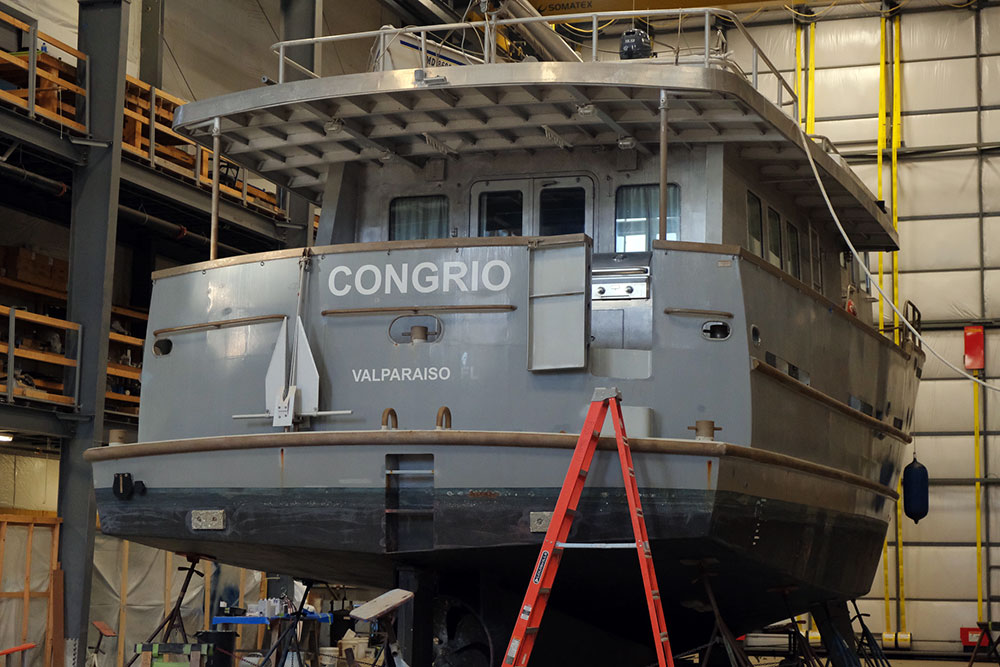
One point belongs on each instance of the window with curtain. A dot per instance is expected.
(501, 213)
(637, 216)
(774, 237)
(412, 218)
(755, 224)
(794, 251)
(816, 260)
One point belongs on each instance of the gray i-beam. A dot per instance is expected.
(103, 36)
(151, 43)
(298, 21)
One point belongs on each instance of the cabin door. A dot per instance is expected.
(533, 206)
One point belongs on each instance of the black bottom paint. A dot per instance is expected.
(765, 560)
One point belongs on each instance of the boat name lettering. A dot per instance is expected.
(401, 374)
(425, 277)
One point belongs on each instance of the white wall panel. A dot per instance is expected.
(947, 129)
(991, 285)
(991, 242)
(943, 34)
(991, 126)
(948, 519)
(946, 84)
(938, 187)
(945, 295)
(991, 80)
(938, 622)
(991, 456)
(830, 87)
(777, 41)
(923, 566)
(868, 173)
(849, 131)
(942, 405)
(938, 244)
(847, 42)
(991, 184)
(947, 456)
(990, 17)
(951, 345)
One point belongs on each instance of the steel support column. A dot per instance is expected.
(103, 36)
(298, 21)
(151, 43)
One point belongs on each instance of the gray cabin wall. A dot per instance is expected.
(378, 185)
(738, 178)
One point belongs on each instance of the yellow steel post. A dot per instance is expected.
(879, 159)
(811, 92)
(900, 597)
(798, 69)
(881, 255)
(979, 509)
(897, 122)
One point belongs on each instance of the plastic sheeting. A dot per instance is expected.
(776, 41)
(944, 84)
(990, 27)
(952, 519)
(943, 295)
(991, 80)
(946, 129)
(831, 84)
(145, 602)
(938, 187)
(852, 131)
(947, 455)
(943, 406)
(950, 344)
(938, 244)
(943, 34)
(11, 610)
(991, 285)
(848, 43)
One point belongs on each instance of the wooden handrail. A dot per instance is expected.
(28, 316)
(22, 63)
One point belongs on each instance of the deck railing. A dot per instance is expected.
(491, 26)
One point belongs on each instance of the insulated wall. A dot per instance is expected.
(949, 264)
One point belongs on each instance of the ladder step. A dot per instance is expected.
(595, 545)
(544, 591)
(531, 631)
(583, 473)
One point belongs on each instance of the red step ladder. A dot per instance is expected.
(540, 586)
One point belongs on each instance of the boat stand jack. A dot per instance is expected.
(288, 641)
(174, 620)
(723, 635)
(868, 648)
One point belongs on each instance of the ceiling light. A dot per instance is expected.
(6, 437)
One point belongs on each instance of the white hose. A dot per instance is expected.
(864, 265)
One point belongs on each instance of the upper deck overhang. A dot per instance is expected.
(293, 132)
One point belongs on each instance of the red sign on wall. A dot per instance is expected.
(975, 348)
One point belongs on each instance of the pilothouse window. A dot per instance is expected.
(637, 216)
(412, 218)
(562, 211)
(501, 213)
(774, 237)
(755, 224)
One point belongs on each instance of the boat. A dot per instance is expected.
(397, 404)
